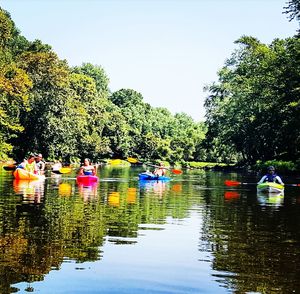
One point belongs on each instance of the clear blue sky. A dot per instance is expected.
(167, 50)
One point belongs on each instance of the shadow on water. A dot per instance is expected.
(188, 235)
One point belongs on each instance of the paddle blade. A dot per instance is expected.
(132, 160)
(63, 170)
(9, 167)
(232, 183)
(176, 171)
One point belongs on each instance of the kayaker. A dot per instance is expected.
(87, 169)
(160, 170)
(22, 164)
(40, 164)
(271, 176)
(30, 165)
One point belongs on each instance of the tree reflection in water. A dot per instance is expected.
(252, 245)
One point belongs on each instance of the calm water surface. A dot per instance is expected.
(190, 235)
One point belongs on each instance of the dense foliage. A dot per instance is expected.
(252, 112)
(254, 109)
(70, 113)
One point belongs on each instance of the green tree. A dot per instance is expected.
(293, 9)
(252, 109)
(98, 74)
(14, 87)
(48, 104)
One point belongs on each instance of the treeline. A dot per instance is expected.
(253, 111)
(69, 112)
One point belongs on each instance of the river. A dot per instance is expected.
(192, 234)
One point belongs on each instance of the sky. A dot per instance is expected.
(167, 50)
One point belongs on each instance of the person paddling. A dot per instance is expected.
(271, 176)
(87, 169)
(30, 165)
(160, 170)
(40, 164)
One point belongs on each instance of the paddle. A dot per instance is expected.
(236, 183)
(63, 170)
(9, 167)
(134, 160)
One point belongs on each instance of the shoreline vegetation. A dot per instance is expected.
(69, 113)
(284, 167)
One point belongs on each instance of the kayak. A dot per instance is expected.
(87, 180)
(23, 174)
(270, 187)
(152, 177)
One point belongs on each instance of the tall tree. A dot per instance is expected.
(293, 10)
(258, 86)
(14, 86)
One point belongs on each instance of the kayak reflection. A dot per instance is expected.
(32, 191)
(270, 199)
(88, 192)
(157, 187)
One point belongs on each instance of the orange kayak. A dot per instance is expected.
(22, 174)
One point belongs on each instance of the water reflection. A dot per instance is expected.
(131, 195)
(88, 192)
(177, 188)
(231, 195)
(270, 199)
(114, 199)
(207, 238)
(64, 189)
(32, 191)
(157, 187)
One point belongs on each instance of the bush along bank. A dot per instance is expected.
(284, 167)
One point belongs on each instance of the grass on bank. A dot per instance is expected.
(208, 165)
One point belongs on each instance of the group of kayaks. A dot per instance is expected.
(22, 174)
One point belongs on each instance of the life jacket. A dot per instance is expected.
(88, 170)
(30, 166)
(270, 178)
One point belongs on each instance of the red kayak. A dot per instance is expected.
(87, 180)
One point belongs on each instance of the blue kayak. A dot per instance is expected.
(152, 177)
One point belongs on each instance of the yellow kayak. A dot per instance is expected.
(22, 174)
(270, 187)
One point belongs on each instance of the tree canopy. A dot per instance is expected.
(70, 113)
